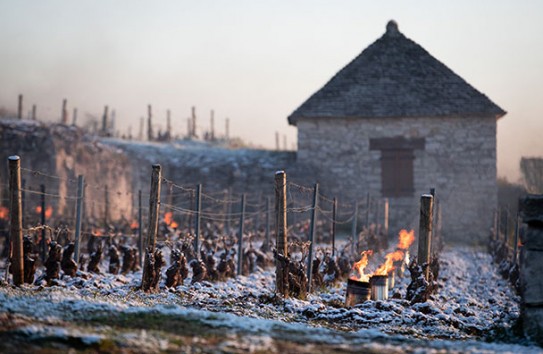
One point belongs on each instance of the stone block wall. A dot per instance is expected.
(459, 160)
(62, 153)
(531, 268)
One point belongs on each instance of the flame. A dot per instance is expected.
(97, 232)
(134, 225)
(360, 266)
(48, 211)
(387, 267)
(168, 219)
(406, 239)
(4, 212)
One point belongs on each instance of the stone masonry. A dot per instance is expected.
(459, 160)
(531, 267)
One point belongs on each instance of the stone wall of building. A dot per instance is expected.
(459, 160)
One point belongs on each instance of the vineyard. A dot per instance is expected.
(193, 270)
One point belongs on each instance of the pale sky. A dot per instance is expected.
(257, 61)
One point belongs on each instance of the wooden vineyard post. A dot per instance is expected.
(16, 222)
(268, 210)
(64, 113)
(79, 214)
(312, 230)
(149, 123)
(154, 205)
(197, 223)
(425, 231)
(43, 244)
(334, 216)
(34, 112)
(240, 234)
(281, 263)
(354, 226)
(20, 107)
(140, 229)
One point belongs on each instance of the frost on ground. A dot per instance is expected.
(474, 310)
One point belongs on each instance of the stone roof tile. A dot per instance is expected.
(396, 77)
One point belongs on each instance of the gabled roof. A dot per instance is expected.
(396, 77)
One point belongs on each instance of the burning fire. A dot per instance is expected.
(134, 225)
(361, 265)
(168, 219)
(4, 212)
(405, 239)
(48, 211)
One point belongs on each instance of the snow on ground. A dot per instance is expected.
(474, 311)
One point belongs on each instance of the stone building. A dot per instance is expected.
(396, 122)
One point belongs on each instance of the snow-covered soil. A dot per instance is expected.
(474, 310)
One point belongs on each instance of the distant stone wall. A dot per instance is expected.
(459, 160)
(61, 153)
(216, 168)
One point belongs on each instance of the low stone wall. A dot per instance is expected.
(60, 153)
(531, 267)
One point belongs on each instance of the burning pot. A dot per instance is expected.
(357, 292)
(379, 287)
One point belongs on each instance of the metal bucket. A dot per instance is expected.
(357, 292)
(379, 287)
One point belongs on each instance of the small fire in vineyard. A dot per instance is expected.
(48, 211)
(168, 219)
(4, 212)
(405, 240)
(360, 266)
(134, 225)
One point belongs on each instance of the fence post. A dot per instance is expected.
(140, 229)
(79, 212)
(498, 223)
(16, 222)
(281, 274)
(334, 215)
(20, 107)
(197, 223)
(33, 112)
(425, 231)
(240, 237)
(354, 226)
(64, 113)
(312, 230)
(154, 205)
(267, 247)
(43, 245)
